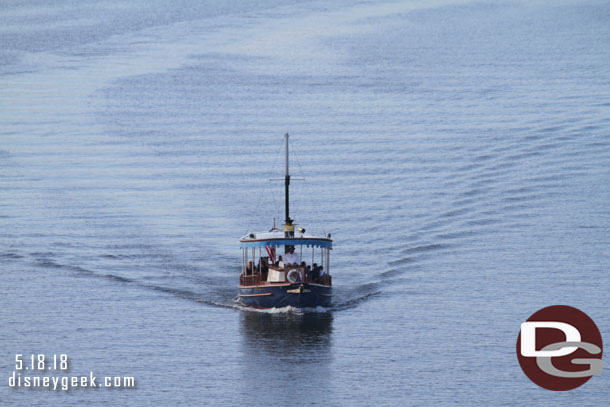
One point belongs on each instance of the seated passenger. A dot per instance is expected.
(249, 268)
(315, 273)
(322, 276)
(264, 265)
(308, 273)
(279, 259)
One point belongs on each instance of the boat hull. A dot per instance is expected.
(298, 295)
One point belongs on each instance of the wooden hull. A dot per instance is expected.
(298, 295)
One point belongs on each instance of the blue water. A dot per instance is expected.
(458, 152)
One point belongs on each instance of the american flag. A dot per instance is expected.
(271, 253)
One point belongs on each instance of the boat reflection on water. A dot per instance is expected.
(287, 331)
(289, 354)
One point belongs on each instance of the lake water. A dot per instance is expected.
(458, 152)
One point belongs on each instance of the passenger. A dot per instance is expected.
(315, 273)
(322, 276)
(277, 263)
(249, 268)
(264, 265)
(308, 273)
(291, 257)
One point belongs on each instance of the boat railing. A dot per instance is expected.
(261, 278)
(252, 279)
(324, 280)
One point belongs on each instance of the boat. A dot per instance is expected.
(299, 277)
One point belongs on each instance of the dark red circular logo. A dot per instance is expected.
(560, 348)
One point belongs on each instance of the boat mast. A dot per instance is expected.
(287, 183)
(288, 226)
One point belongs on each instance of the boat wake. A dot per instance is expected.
(285, 310)
(215, 291)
